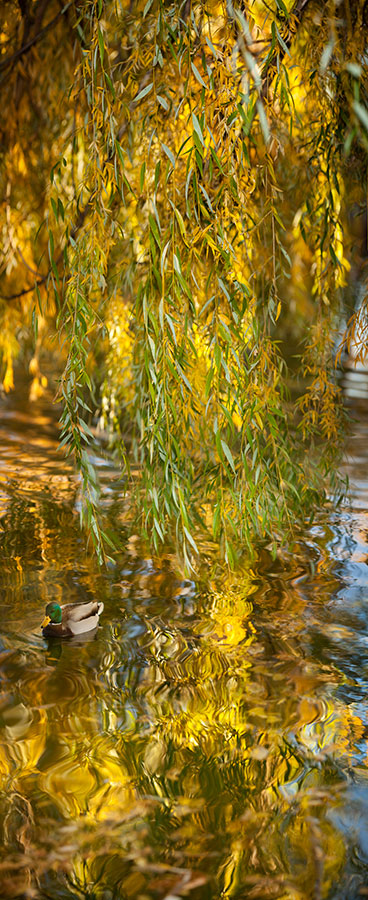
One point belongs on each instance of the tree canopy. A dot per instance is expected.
(176, 184)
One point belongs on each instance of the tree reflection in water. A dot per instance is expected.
(209, 740)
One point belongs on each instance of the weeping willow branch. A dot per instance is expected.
(202, 159)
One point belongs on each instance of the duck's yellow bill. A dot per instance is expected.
(45, 621)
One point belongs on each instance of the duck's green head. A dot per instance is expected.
(53, 614)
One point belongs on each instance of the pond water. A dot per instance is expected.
(210, 740)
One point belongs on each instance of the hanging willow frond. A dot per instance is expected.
(200, 164)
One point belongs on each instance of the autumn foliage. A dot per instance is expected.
(175, 182)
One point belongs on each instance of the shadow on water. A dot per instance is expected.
(209, 739)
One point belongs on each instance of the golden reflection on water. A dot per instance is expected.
(209, 740)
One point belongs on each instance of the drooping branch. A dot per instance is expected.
(267, 76)
(270, 69)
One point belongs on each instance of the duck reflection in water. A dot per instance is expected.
(55, 646)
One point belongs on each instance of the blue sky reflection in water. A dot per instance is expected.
(211, 739)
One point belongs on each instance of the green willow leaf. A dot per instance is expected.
(197, 128)
(228, 454)
(143, 93)
(362, 113)
(169, 154)
(197, 75)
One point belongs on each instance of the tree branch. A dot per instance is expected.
(9, 60)
(82, 215)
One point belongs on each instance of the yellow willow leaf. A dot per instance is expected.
(8, 382)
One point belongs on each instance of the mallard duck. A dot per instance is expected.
(71, 619)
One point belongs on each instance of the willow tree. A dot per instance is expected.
(170, 172)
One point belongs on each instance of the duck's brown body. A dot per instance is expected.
(76, 618)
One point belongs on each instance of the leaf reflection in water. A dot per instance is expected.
(208, 740)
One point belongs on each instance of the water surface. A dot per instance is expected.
(210, 740)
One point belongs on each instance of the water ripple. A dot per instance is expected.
(210, 738)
